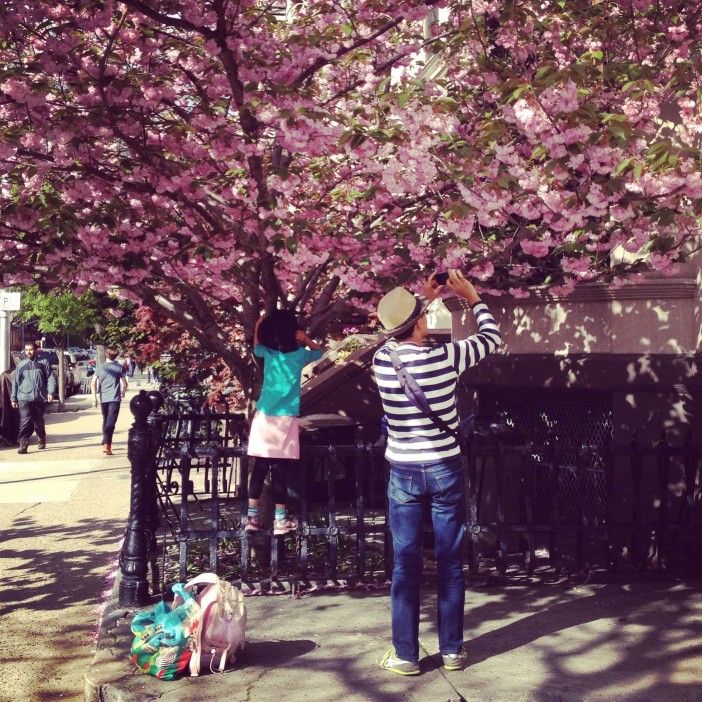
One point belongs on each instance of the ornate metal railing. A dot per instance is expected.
(337, 495)
(529, 507)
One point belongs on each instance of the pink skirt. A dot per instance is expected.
(274, 437)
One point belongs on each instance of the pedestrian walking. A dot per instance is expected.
(417, 383)
(110, 383)
(274, 439)
(33, 385)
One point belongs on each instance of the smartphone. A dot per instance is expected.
(441, 278)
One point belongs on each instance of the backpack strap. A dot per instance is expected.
(202, 579)
(222, 661)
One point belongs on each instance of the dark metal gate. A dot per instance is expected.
(338, 494)
(543, 503)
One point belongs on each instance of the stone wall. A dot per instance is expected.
(638, 346)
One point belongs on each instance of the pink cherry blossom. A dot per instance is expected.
(214, 160)
(537, 249)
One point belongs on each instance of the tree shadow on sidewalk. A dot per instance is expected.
(42, 579)
(633, 641)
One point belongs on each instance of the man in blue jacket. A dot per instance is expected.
(33, 385)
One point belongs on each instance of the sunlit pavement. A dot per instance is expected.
(62, 514)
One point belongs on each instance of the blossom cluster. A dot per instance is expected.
(216, 159)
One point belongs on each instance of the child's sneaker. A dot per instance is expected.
(284, 526)
(455, 661)
(397, 665)
(252, 524)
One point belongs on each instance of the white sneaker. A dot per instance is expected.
(398, 665)
(284, 526)
(455, 661)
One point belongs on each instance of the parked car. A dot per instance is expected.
(51, 355)
(83, 367)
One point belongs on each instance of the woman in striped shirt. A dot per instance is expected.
(425, 465)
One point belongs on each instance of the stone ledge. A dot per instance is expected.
(654, 289)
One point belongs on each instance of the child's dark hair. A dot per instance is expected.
(278, 330)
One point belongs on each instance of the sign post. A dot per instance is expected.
(9, 302)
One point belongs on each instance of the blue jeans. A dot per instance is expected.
(110, 412)
(442, 486)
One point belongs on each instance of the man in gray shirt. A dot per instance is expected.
(33, 385)
(110, 379)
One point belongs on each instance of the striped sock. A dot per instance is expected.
(253, 512)
(279, 514)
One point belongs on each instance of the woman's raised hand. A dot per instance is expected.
(462, 286)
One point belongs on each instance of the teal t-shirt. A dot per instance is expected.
(280, 394)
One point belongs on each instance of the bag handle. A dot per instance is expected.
(203, 578)
(416, 396)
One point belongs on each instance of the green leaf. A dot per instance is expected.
(346, 30)
(545, 71)
(517, 92)
(663, 158)
(538, 153)
(622, 166)
(588, 55)
(618, 131)
(613, 117)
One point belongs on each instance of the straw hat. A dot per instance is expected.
(399, 309)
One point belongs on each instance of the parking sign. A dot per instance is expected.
(9, 301)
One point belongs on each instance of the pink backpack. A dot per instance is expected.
(222, 630)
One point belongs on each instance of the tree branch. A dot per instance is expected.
(167, 19)
(363, 41)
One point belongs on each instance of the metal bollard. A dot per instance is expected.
(133, 560)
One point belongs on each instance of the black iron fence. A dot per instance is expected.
(635, 506)
(632, 507)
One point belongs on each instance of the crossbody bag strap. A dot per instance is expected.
(416, 395)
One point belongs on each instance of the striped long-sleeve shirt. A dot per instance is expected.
(413, 437)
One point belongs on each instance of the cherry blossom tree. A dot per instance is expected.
(217, 158)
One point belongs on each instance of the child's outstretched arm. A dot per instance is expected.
(257, 325)
(305, 340)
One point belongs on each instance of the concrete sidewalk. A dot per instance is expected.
(608, 641)
(62, 516)
(63, 510)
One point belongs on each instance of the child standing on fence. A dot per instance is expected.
(274, 439)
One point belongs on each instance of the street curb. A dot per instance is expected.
(70, 406)
(110, 665)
